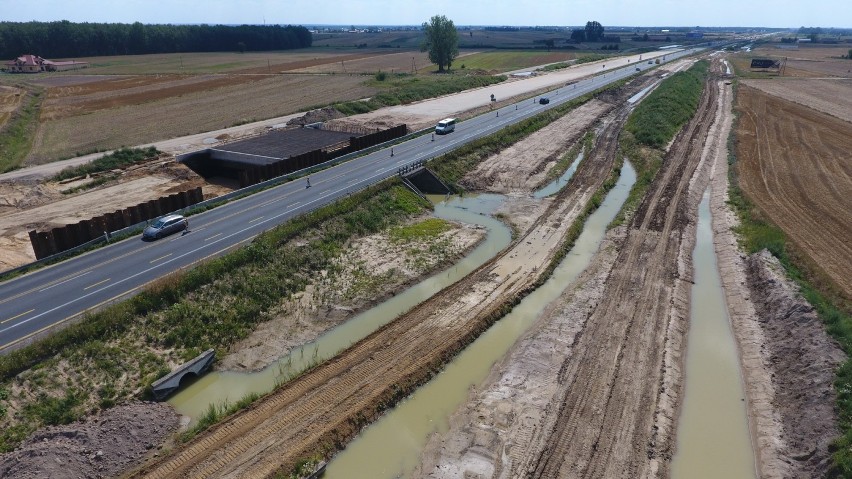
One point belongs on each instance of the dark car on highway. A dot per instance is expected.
(544, 100)
(165, 226)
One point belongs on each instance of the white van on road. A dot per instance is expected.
(445, 126)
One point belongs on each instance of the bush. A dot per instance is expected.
(117, 159)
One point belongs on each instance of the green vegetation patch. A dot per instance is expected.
(16, 138)
(659, 117)
(117, 159)
(403, 89)
(505, 60)
(646, 154)
(429, 228)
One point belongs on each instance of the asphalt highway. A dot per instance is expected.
(34, 304)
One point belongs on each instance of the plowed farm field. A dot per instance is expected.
(142, 109)
(795, 164)
(828, 96)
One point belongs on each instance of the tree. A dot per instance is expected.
(549, 42)
(578, 36)
(594, 31)
(442, 41)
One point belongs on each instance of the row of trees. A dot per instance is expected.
(69, 40)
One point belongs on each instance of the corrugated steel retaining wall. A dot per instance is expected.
(57, 240)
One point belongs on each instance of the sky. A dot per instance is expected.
(705, 13)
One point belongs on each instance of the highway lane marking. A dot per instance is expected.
(210, 238)
(256, 219)
(16, 317)
(67, 280)
(161, 257)
(96, 284)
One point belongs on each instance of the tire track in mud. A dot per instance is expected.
(605, 424)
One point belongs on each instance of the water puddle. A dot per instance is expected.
(712, 438)
(390, 447)
(554, 186)
(227, 386)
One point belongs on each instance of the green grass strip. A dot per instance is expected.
(16, 139)
(643, 144)
(657, 118)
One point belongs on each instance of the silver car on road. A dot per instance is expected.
(165, 226)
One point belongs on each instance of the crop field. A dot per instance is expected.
(794, 165)
(826, 95)
(387, 61)
(212, 62)
(191, 112)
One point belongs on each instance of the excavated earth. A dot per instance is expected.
(101, 446)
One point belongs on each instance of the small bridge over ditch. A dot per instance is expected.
(166, 385)
(422, 180)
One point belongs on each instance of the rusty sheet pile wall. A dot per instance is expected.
(57, 240)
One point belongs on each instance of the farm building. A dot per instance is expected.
(36, 64)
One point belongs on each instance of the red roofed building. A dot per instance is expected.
(35, 64)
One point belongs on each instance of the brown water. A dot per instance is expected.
(222, 387)
(391, 447)
(713, 439)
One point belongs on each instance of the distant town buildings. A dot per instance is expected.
(36, 64)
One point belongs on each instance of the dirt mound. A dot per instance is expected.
(100, 446)
(803, 359)
(316, 116)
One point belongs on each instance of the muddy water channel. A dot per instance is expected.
(712, 438)
(391, 447)
(554, 186)
(218, 388)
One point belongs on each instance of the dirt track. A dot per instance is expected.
(794, 163)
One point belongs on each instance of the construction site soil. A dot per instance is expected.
(101, 446)
(793, 163)
(616, 337)
(322, 410)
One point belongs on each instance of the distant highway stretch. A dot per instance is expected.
(33, 304)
